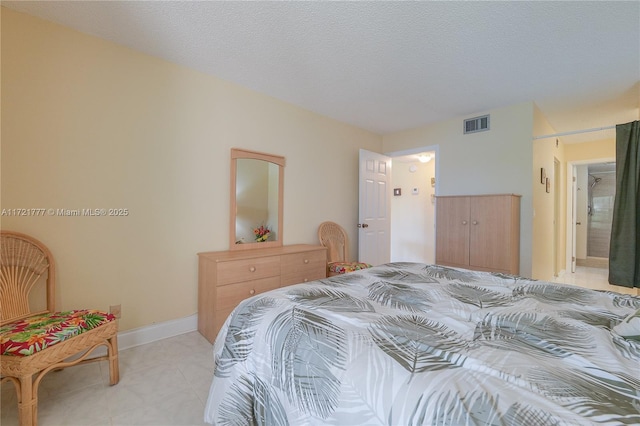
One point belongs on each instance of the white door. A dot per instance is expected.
(556, 216)
(374, 239)
(574, 217)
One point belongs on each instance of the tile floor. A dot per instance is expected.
(161, 383)
(593, 278)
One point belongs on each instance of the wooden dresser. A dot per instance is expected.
(225, 278)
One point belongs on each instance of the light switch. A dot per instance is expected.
(414, 191)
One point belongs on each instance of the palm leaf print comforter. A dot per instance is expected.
(416, 344)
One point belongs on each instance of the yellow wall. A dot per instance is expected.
(597, 150)
(545, 151)
(90, 124)
(498, 161)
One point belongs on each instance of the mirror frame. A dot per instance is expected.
(237, 153)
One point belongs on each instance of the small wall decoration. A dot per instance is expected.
(397, 191)
(543, 176)
(548, 185)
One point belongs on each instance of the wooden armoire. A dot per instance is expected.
(480, 232)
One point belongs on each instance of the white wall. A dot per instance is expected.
(498, 161)
(413, 215)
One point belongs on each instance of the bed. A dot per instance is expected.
(417, 344)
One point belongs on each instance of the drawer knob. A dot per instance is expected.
(305, 280)
(306, 261)
(464, 222)
(252, 268)
(252, 292)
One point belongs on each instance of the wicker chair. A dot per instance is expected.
(334, 238)
(34, 343)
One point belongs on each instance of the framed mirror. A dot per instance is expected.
(257, 183)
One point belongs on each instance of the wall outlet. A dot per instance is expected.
(115, 310)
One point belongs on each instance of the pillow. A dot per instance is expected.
(629, 328)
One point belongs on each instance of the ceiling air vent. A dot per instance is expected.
(477, 124)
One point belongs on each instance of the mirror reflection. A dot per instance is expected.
(256, 201)
(257, 182)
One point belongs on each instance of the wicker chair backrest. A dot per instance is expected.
(24, 261)
(334, 238)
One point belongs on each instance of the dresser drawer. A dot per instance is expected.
(229, 296)
(236, 271)
(304, 276)
(295, 262)
(303, 267)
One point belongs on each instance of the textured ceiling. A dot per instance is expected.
(391, 66)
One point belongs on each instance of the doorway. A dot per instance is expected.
(414, 180)
(594, 195)
(601, 191)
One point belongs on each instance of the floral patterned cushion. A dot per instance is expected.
(344, 267)
(33, 334)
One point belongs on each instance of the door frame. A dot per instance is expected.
(412, 151)
(571, 196)
(556, 214)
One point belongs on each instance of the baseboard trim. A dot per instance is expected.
(560, 274)
(594, 262)
(151, 333)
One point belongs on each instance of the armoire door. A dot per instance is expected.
(490, 236)
(452, 230)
